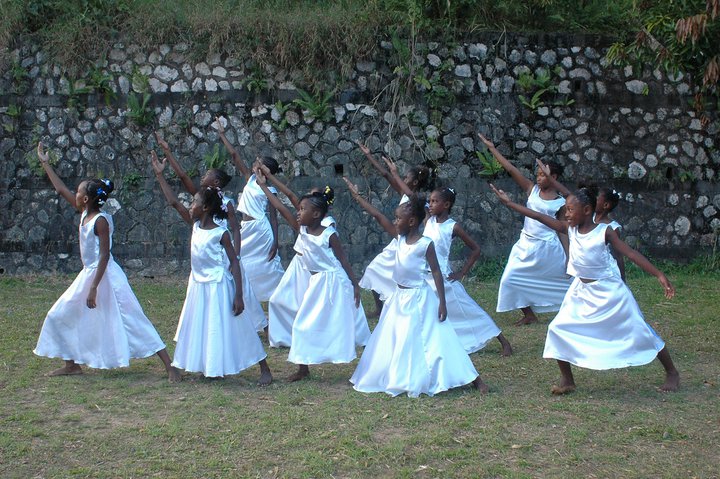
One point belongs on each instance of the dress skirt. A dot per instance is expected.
(104, 337)
(211, 340)
(378, 274)
(411, 351)
(285, 302)
(534, 276)
(473, 326)
(253, 308)
(324, 327)
(600, 326)
(257, 240)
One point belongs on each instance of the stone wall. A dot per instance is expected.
(602, 123)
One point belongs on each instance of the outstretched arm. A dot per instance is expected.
(275, 201)
(472, 258)
(432, 261)
(170, 196)
(554, 183)
(184, 178)
(102, 231)
(636, 257)
(524, 183)
(385, 173)
(239, 163)
(282, 187)
(402, 187)
(549, 221)
(340, 255)
(238, 304)
(374, 212)
(54, 178)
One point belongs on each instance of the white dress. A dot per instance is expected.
(535, 273)
(378, 274)
(410, 350)
(210, 339)
(617, 227)
(323, 330)
(257, 240)
(473, 325)
(288, 296)
(110, 334)
(599, 325)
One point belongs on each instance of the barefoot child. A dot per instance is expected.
(534, 279)
(599, 325)
(213, 337)
(413, 349)
(98, 321)
(474, 327)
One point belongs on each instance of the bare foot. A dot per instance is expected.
(265, 379)
(299, 375)
(562, 389)
(525, 320)
(480, 385)
(174, 375)
(73, 370)
(672, 382)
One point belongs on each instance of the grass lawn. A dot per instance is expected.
(132, 423)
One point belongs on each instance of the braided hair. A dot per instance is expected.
(447, 194)
(212, 199)
(321, 199)
(98, 191)
(416, 207)
(586, 196)
(611, 196)
(421, 174)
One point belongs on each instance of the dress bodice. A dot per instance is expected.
(533, 227)
(90, 242)
(590, 256)
(208, 259)
(318, 255)
(411, 267)
(442, 235)
(227, 203)
(253, 201)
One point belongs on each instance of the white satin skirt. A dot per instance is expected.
(378, 274)
(255, 244)
(473, 326)
(411, 351)
(600, 326)
(104, 337)
(211, 340)
(534, 276)
(324, 328)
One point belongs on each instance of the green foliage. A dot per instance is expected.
(75, 89)
(34, 163)
(20, 78)
(138, 110)
(140, 81)
(13, 111)
(100, 82)
(491, 168)
(216, 158)
(281, 109)
(315, 106)
(132, 180)
(255, 82)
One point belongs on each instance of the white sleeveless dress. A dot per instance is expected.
(411, 351)
(599, 325)
(257, 240)
(110, 334)
(323, 330)
(210, 339)
(535, 273)
(473, 325)
(618, 228)
(288, 296)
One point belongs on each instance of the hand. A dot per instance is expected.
(157, 165)
(92, 295)
(442, 312)
(669, 288)
(219, 125)
(356, 295)
(238, 305)
(363, 148)
(273, 251)
(391, 165)
(455, 276)
(259, 176)
(265, 170)
(42, 154)
(354, 191)
(487, 142)
(163, 144)
(504, 198)
(543, 167)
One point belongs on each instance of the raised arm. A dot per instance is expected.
(282, 187)
(524, 183)
(636, 257)
(474, 255)
(385, 173)
(374, 212)
(562, 189)
(184, 178)
(275, 201)
(239, 163)
(59, 185)
(172, 199)
(549, 221)
(402, 187)
(340, 255)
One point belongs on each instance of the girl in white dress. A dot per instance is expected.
(377, 277)
(607, 200)
(599, 325)
(323, 330)
(473, 325)
(213, 337)
(413, 349)
(288, 296)
(534, 279)
(258, 229)
(217, 178)
(98, 321)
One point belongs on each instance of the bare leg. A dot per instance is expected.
(378, 306)
(302, 372)
(265, 374)
(173, 372)
(567, 382)
(528, 317)
(506, 348)
(480, 385)
(70, 369)
(672, 376)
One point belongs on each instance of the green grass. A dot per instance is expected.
(131, 423)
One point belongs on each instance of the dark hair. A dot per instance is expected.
(222, 177)
(422, 175)
(611, 196)
(98, 191)
(321, 199)
(586, 196)
(416, 207)
(555, 168)
(271, 163)
(447, 194)
(212, 199)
